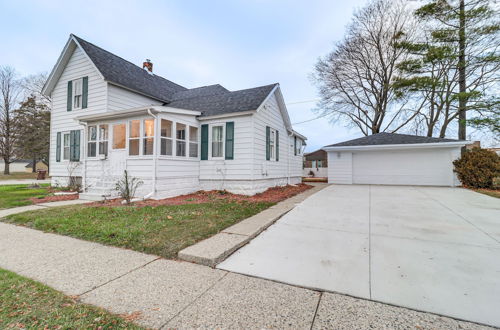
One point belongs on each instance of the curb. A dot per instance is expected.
(217, 248)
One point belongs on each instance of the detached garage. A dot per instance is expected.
(394, 159)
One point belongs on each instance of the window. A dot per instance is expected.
(272, 144)
(217, 141)
(77, 93)
(193, 141)
(134, 137)
(66, 146)
(298, 146)
(166, 137)
(149, 136)
(103, 139)
(92, 141)
(180, 139)
(119, 136)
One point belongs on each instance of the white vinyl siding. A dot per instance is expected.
(61, 120)
(120, 99)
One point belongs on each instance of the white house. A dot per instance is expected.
(394, 159)
(109, 115)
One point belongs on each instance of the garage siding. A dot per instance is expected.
(424, 167)
(340, 167)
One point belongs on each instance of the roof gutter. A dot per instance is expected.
(398, 146)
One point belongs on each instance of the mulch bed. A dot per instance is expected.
(272, 195)
(47, 199)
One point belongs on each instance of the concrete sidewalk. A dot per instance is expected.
(174, 294)
(41, 206)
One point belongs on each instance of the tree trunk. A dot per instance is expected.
(462, 99)
(6, 169)
(33, 167)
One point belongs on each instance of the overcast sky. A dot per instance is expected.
(238, 44)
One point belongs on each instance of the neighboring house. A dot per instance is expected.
(40, 165)
(109, 115)
(495, 150)
(317, 163)
(395, 159)
(16, 166)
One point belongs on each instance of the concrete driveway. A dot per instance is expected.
(427, 248)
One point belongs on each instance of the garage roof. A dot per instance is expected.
(390, 139)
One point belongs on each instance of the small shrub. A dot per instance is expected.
(127, 186)
(478, 168)
(311, 174)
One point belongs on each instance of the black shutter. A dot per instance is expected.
(85, 92)
(74, 143)
(295, 145)
(268, 143)
(204, 142)
(230, 140)
(70, 96)
(58, 147)
(277, 145)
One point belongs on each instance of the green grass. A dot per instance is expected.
(159, 230)
(31, 305)
(19, 194)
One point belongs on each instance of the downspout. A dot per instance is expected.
(84, 174)
(155, 155)
(288, 160)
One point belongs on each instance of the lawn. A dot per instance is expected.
(18, 176)
(26, 304)
(489, 192)
(19, 195)
(161, 230)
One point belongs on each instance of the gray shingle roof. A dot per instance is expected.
(210, 100)
(228, 102)
(199, 91)
(389, 138)
(122, 72)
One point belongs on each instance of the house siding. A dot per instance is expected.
(62, 120)
(276, 172)
(120, 99)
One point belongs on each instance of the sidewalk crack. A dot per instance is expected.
(194, 300)
(120, 276)
(316, 310)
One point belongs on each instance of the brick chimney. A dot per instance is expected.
(148, 65)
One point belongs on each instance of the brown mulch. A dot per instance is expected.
(272, 195)
(47, 199)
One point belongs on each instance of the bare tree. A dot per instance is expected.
(10, 91)
(355, 79)
(33, 85)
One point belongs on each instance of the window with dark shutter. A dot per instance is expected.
(69, 104)
(268, 143)
(204, 142)
(230, 140)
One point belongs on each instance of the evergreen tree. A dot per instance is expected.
(465, 34)
(32, 122)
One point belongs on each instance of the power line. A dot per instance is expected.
(305, 101)
(308, 120)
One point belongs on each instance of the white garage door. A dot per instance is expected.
(405, 167)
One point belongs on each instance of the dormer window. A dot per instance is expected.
(78, 92)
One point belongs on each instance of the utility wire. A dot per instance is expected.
(305, 101)
(308, 120)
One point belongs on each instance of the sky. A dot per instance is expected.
(238, 44)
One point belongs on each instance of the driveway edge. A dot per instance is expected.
(217, 248)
